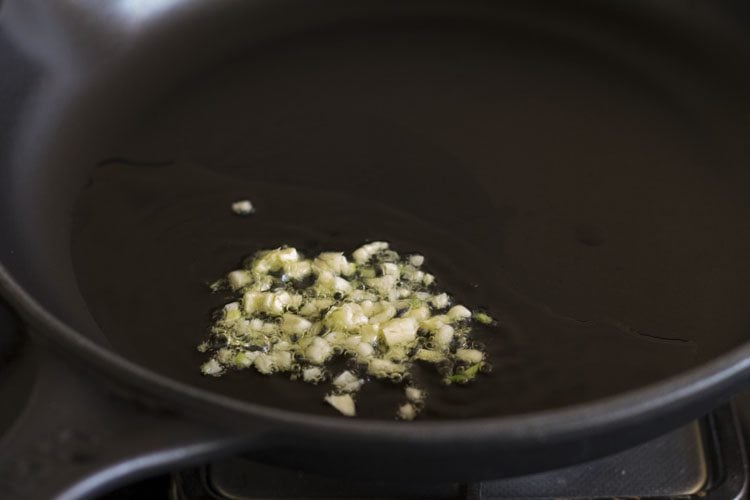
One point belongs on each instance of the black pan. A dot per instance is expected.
(579, 169)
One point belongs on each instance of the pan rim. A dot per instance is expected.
(710, 380)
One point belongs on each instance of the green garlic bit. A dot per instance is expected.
(293, 314)
(469, 374)
(483, 318)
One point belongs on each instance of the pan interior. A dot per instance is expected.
(596, 209)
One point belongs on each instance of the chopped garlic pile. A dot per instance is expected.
(293, 314)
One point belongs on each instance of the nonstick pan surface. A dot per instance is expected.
(580, 172)
(577, 198)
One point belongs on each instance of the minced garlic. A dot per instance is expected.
(293, 315)
(243, 207)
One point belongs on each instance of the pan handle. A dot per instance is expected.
(75, 439)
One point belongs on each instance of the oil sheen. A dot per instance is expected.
(150, 238)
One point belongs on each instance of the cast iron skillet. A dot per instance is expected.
(583, 164)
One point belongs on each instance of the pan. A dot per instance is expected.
(577, 169)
